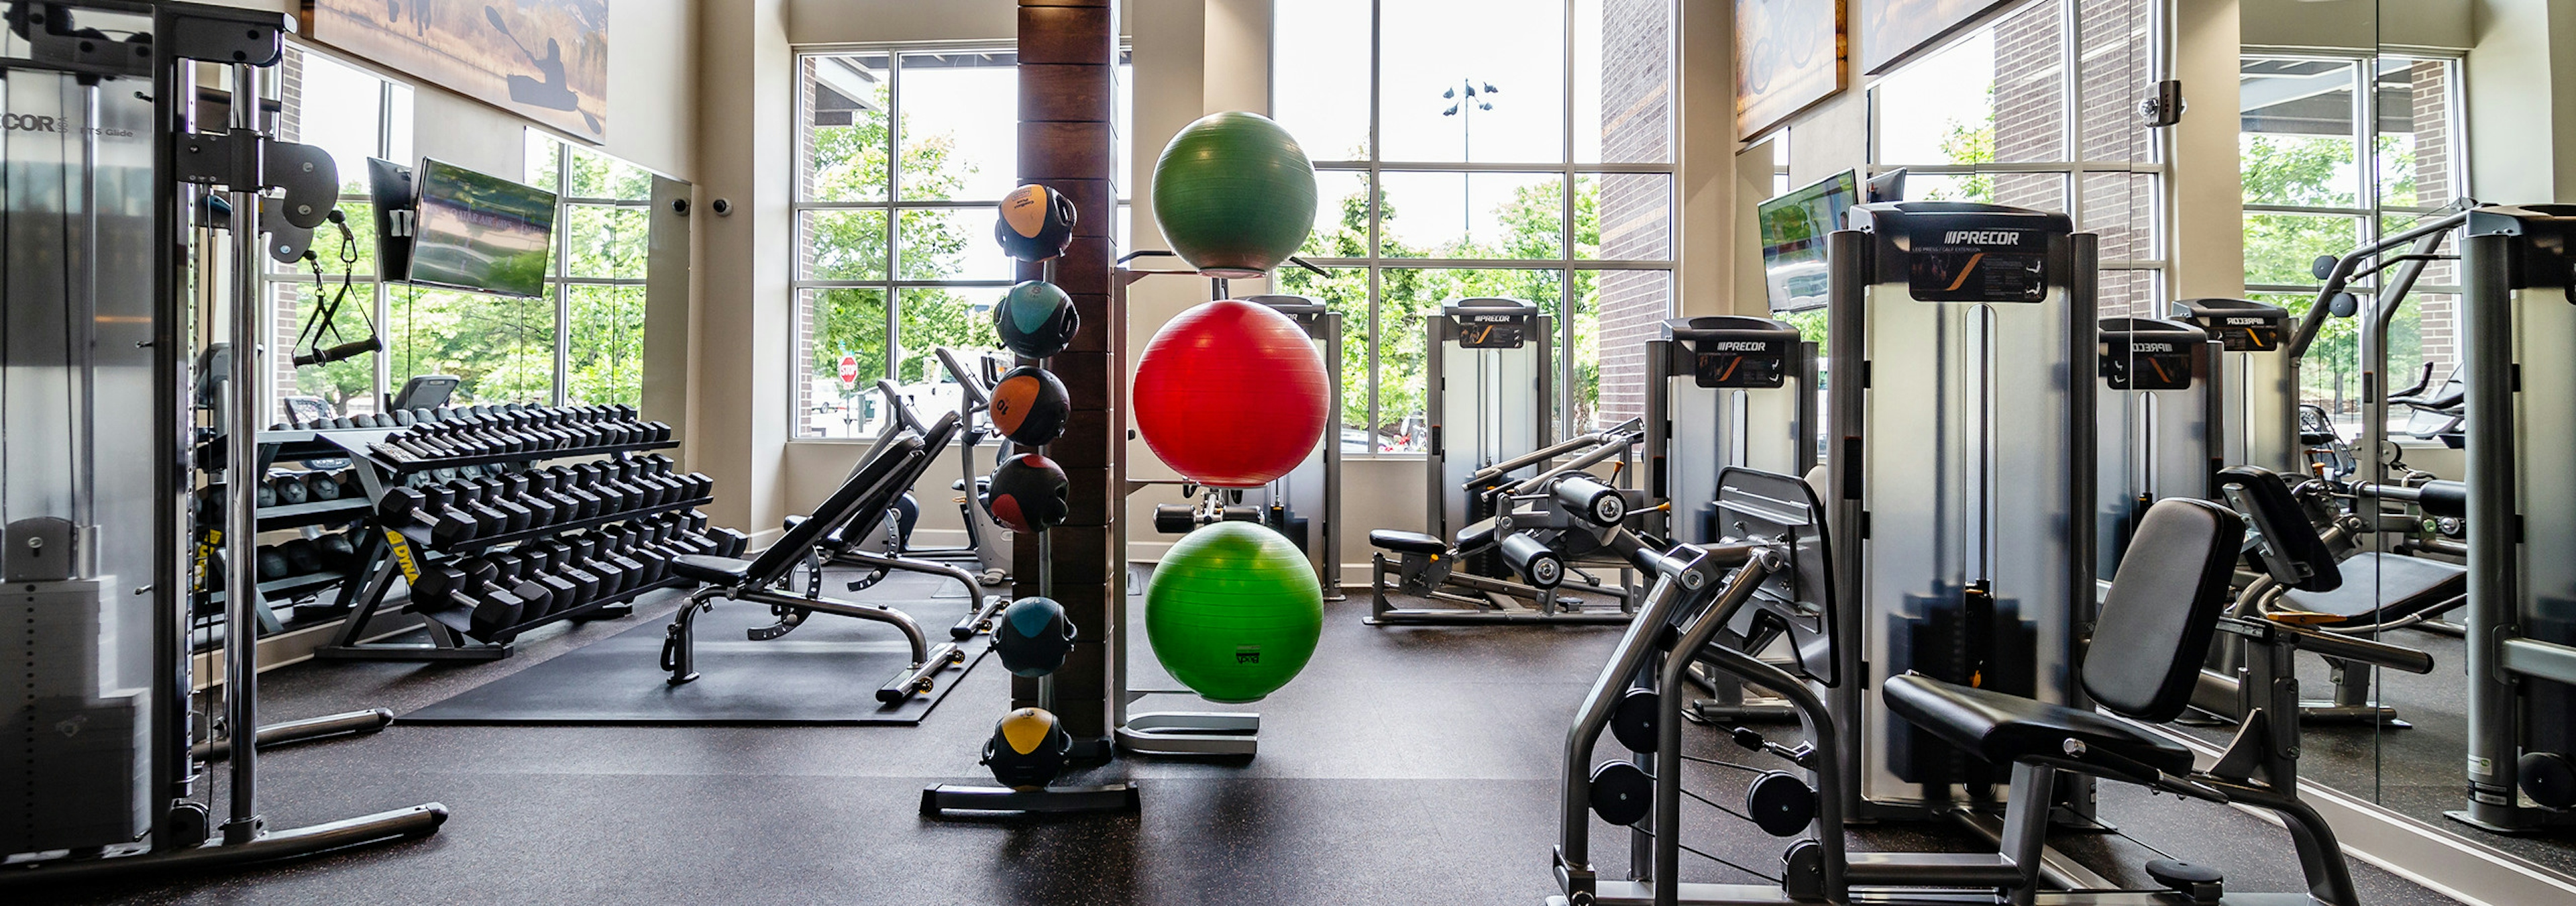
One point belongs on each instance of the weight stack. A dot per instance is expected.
(73, 768)
(1067, 140)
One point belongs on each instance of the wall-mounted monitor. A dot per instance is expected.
(1794, 227)
(479, 232)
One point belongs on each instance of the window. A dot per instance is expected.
(353, 115)
(2039, 109)
(582, 342)
(1523, 148)
(2336, 152)
(901, 155)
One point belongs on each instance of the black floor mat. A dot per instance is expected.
(825, 672)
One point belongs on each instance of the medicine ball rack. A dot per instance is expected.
(408, 552)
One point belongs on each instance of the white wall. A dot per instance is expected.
(2521, 80)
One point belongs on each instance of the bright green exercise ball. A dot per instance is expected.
(1234, 194)
(1233, 611)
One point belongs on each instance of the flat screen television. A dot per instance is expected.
(481, 233)
(1794, 227)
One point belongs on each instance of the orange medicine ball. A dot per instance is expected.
(1030, 406)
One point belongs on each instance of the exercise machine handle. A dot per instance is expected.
(2359, 650)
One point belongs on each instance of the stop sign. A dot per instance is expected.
(849, 370)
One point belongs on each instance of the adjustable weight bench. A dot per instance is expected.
(841, 545)
(867, 493)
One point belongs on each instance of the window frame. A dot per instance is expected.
(893, 206)
(559, 279)
(2074, 167)
(1566, 170)
(2373, 212)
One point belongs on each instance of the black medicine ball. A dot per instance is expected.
(1028, 493)
(1033, 636)
(1036, 223)
(1027, 749)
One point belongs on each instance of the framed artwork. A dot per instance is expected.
(1890, 29)
(1788, 56)
(546, 60)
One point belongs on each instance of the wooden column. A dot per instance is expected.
(1068, 80)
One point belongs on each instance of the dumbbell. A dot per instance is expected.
(496, 607)
(545, 567)
(615, 577)
(587, 583)
(649, 493)
(302, 558)
(272, 565)
(465, 500)
(536, 598)
(522, 489)
(567, 484)
(287, 489)
(408, 509)
(339, 553)
(635, 543)
(322, 485)
(495, 493)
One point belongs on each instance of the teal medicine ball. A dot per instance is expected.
(1033, 636)
(1036, 319)
(1234, 194)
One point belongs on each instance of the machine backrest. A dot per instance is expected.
(2289, 548)
(2164, 605)
(1797, 604)
(873, 486)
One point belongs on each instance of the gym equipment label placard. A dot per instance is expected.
(1979, 265)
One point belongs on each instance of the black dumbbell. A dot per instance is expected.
(536, 599)
(523, 491)
(272, 565)
(287, 489)
(559, 562)
(302, 558)
(465, 500)
(321, 486)
(496, 494)
(544, 567)
(339, 552)
(495, 606)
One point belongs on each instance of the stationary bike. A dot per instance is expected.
(1767, 581)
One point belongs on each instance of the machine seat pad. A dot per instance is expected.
(2003, 728)
(1406, 542)
(711, 569)
(2378, 587)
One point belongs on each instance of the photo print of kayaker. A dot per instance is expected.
(544, 59)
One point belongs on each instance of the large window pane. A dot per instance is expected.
(1406, 296)
(832, 324)
(1482, 83)
(2121, 209)
(544, 158)
(842, 245)
(596, 175)
(1319, 85)
(502, 348)
(606, 242)
(345, 387)
(2119, 43)
(842, 137)
(950, 244)
(606, 356)
(336, 107)
(1472, 215)
(1623, 81)
(1623, 216)
(2296, 141)
(956, 140)
(942, 316)
(1615, 313)
(1997, 95)
(1341, 216)
(2280, 249)
(1344, 290)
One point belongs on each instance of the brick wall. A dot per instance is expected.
(803, 384)
(2435, 184)
(2031, 120)
(1635, 210)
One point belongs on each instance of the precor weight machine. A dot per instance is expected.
(1961, 476)
(106, 187)
(1724, 391)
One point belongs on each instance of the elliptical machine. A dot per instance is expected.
(987, 545)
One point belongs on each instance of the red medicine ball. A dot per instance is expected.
(1231, 394)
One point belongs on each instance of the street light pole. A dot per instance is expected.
(1465, 109)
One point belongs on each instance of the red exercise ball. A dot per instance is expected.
(1231, 394)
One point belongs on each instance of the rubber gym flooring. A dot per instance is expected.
(1407, 765)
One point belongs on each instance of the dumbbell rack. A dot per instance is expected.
(393, 553)
(292, 445)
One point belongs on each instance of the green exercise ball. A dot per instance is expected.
(1234, 194)
(1233, 611)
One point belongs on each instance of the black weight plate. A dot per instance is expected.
(1632, 720)
(1780, 804)
(1622, 793)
